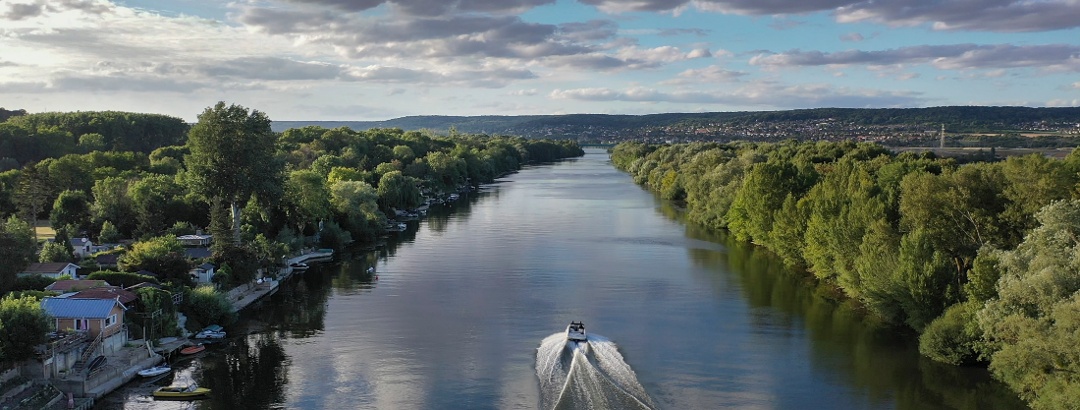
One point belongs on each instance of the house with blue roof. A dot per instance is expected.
(104, 317)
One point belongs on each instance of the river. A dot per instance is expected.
(465, 305)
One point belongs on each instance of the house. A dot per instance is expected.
(75, 285)
(80, 247)
(195, 240)
(97, 317)
(203, 273)
(52, 270)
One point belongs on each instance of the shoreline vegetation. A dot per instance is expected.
(979, 258)
(133, 184)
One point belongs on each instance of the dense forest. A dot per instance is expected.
(981, 259)
(147, 179)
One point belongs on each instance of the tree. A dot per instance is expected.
(108, 234)
(357, 204)
(17, 247)
(1033, 325)
(398, 191)
(23, 325)
(205, 305)
(33, 193)
(162, 255)
(307, 198)
(113, 204)
(232, 158)
(54, 252)
(156, 200)
(71, 208)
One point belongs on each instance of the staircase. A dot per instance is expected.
(87, 354)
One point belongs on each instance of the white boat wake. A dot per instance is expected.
(586, 375)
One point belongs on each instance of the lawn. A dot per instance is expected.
(44, 229)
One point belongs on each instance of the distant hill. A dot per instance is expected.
(731, 125)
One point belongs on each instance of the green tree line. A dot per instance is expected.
(979, 258)
(33, 137)
(262, 195)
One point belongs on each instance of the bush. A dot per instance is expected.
(32, 282)
(206, 305)
(953, 337)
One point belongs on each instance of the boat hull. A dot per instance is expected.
(155, 371)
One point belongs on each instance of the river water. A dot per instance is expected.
(465, 306)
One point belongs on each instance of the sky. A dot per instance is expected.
(310, 60)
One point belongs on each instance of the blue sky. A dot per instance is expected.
(376, 59)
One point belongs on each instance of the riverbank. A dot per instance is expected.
(245, 295)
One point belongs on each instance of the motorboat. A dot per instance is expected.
(155, 371)
(190, 391)
(575, 332)
(193, 349)
(298, 265)
(211, 332)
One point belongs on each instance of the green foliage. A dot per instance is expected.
(206, 305)
(355, 204)
(122, 279)
(232, 158)
(307, 198)
(333, 237)
(162, 255)
(71, 208)
(109, 233)
(156, 312)
(243, 261)
(397, 191)
(113, 204)
(17, 248)
(54, 252)
(23, 325)
(1033, 325)
(953, 337)
(32, 282)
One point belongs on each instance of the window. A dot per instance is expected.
(111, 320)
(82, 324)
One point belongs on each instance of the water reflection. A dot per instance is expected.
(452, 314)
(879, 359)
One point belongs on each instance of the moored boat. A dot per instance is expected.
(190, 391)
(193, 349)
(155, 371)
(211, 332)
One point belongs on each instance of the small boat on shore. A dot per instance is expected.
(190, 391)
(155, 371)
(190, 350)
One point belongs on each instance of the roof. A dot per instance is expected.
(107, 259)
(112, 293)
(68, 285)
(194, 237)
(141, 285)
(78, 241)
(206, 266)
(79, 308)
(49, 267)
(197, 253)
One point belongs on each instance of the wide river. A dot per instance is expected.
(466, 303)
